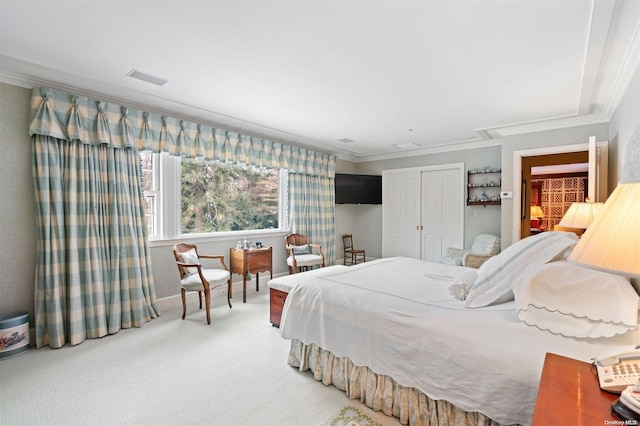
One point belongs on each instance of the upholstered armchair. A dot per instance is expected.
(301, 257)
(484, 246)
(194, 277)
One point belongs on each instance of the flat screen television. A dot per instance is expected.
(358, 189)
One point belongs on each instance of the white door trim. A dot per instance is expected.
(517, 176)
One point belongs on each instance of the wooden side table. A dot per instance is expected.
(254, 261)
(569, 393)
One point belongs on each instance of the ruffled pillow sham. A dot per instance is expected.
(496, 275)
(574, 301)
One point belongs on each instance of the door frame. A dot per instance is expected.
(517, 176)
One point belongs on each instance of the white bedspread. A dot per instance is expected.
(397, 317)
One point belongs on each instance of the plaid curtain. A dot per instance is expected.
(93, 271)
(70, 117)
(312, 211)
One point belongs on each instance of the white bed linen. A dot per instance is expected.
(287, 282)
(396, 316)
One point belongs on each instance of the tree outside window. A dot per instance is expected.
(218, 197)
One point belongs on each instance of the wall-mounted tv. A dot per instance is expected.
(358, 189)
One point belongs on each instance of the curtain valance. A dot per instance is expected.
(70, 117)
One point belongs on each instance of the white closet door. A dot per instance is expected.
(422, 211)
(442, 211)
(401, 214)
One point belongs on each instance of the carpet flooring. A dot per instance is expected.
(172, 372)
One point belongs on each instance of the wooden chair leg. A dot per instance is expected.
(184, 303)
(207, 301)
(200, 298)
(229, 292)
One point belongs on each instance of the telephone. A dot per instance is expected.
(619, 369)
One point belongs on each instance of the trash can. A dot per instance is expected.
(14, 334)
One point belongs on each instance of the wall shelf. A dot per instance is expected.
(483, 187)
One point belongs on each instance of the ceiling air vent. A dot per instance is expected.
(147, 77)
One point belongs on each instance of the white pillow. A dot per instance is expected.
(496, 275)
(189, 256)
(574, 301)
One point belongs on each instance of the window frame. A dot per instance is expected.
(156, 193)
(169, 210)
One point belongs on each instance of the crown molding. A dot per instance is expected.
(630, 64)
(433, 149)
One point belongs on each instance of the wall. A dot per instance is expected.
(478, 219)
(355, 219)
(623, 123)
(17, 218)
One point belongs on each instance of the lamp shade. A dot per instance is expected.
(612, 241)
(536, 212)
(580, 215)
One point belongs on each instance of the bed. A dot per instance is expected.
(431, 343)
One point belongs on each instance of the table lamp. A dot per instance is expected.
(612, 241)
(580, 215)
(535, 214)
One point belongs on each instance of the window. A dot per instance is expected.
(150, 186)
(218, 197)
(197, 198)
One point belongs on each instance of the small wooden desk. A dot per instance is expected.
(254, 261)
(569, 394)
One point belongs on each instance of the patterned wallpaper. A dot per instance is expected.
(557, 194)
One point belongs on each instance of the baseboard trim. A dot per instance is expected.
(219, 296)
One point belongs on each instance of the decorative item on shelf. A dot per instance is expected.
(478, 186)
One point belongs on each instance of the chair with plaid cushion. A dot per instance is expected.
(195, 277)
(301, 253)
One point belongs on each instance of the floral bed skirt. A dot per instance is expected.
(379, 392)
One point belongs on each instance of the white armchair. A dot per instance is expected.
(484, 246)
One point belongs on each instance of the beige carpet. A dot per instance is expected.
(172, 372)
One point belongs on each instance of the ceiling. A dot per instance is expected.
(424, 75)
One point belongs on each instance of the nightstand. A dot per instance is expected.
(254, 261)
(569, 393)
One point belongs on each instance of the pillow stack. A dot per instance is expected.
(496, 275)
(551, 293)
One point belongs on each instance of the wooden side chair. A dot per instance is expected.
(301, 256)
(352, 256)
(194, 277)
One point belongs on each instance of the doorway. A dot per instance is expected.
(597, 178)
(535, 193)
